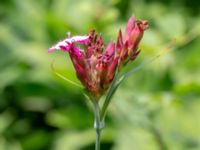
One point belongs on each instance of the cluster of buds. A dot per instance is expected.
(96, 64)
(127, 48)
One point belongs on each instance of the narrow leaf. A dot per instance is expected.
(108, 98)
(64, 78)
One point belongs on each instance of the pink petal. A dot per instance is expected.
(135, 37)
(112, 69)
(81, 74)
(62, 45)
(75, 50)
(110, 50)
(129, 27)
(80, 39)
(65, 44)
(119, 43)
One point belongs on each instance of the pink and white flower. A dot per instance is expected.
(96, 65)
(66, 43)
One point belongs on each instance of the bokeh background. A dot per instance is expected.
(157, 108)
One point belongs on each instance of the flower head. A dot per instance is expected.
(96, 65)
(95, 68)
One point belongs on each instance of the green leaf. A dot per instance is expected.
(108, 98)
(65, 78)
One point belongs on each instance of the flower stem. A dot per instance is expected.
(98, 139)
(98, 125)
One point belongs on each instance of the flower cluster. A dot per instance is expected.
(96, 64)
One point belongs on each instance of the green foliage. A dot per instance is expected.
(157, 107)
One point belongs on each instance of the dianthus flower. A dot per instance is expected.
(96, 64)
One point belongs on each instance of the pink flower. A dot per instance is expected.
(96, 65)
(95, 68)
(127, 48)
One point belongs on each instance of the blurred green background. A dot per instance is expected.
(158, 108)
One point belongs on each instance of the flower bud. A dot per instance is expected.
(127, 49)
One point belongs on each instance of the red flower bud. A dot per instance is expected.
(127, 49)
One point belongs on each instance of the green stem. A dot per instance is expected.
(98, 125)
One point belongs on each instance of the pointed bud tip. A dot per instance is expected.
(119, 43)
(131, 19)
